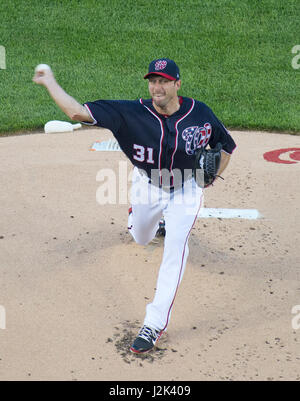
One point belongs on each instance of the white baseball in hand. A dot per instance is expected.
(42, 67)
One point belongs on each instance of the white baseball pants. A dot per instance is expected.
(179, 209)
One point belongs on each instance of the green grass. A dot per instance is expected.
(233, 55)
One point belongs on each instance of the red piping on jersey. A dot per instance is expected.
(180, 273)
(176, 139)
(91, 114)
(161, 140)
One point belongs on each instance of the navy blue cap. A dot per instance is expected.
(165, 67)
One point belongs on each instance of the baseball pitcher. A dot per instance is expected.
(178, 147)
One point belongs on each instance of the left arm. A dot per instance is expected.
(221, 136)
(225, 158)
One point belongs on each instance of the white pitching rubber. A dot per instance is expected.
(249, 214)
(60, 126)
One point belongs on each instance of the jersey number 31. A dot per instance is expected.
(141, 153)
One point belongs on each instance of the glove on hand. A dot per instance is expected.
(207, 164)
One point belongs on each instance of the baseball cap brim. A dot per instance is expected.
(161, 74)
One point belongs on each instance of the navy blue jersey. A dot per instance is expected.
(154, 141)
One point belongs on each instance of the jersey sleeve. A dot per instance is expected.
(105, 114)
(221, 134)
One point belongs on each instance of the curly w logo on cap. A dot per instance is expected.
(160, 65)
(164, 67)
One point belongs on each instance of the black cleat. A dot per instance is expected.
(161, 232)
(145, 340)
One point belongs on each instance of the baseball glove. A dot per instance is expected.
(207, 164)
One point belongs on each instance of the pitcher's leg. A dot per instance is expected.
(179, 222)
(143, 222)
(146, 209)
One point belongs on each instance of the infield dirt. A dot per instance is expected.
(74, 286)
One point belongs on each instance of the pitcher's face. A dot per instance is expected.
(163, 90)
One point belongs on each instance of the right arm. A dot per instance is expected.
(70, 106)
